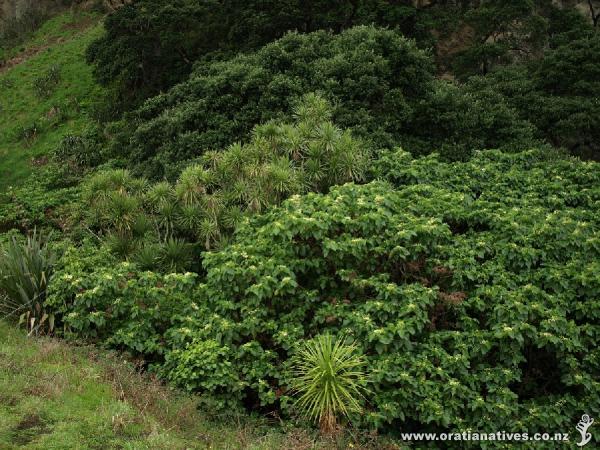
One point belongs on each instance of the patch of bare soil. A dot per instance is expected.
(26, 55)
(39, 162)
(80, 25)
(451, 44)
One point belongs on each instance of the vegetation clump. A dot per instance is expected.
(329, 380)
(215, 193)
(468, 287)
(379, 216)
(45, 84)
(25, 272)
(381, 85)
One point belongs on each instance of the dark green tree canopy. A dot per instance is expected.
(150, 45)
(374, 78)
(559, 94)
(498, 33)
(381, 84)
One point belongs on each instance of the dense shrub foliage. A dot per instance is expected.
(471, 288)
(150, 45)
(40, 203)
(79, 151)
(107, 301)
(559, 94)
(381, 85)
(156, 222)
(360, 212)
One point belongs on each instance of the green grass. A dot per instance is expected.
(57, 396)
(62, 42)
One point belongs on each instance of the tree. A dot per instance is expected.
(381, 85)
(150, 45)
(594, 11)
(504, 32)
(559, 94)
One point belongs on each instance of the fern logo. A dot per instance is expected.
(583, 425)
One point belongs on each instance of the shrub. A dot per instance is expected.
(264, 86)
(25, 272)
(80, 151)
(28, 133)
(98, 298)
(380, 84)
(113, 199)
(212, 196)
(38, 203)
(458, 119)
(147, 255)
(175, 255)
(120, 244)
(45, 84)
(329, 378)
(471, 289)
(202, 366)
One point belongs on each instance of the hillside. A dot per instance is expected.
(46, 92)
(301, 224)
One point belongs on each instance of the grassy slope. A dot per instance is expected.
(55, 396)
(61, 41)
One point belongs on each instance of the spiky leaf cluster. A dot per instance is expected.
(212, 196)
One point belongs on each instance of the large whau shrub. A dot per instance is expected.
(96, 297)
(471, 288)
